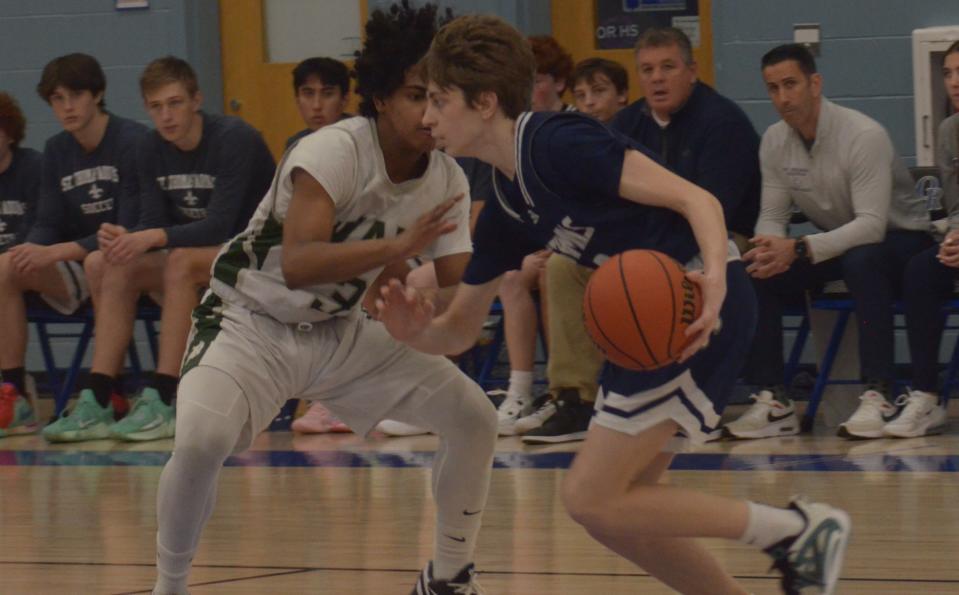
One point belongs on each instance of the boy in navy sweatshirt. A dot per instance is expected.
(19, 188)
(89, 178)
(201, 177)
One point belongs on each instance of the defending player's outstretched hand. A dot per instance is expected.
(427, 228)
(713, 288)
(403, 311)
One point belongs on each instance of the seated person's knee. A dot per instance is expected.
(512, 286)
(93, 265)
(7, 272)
(186, 267)
(178, 265)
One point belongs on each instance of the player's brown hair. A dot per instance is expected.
(479, 53)
(588, 69)
(77, 72)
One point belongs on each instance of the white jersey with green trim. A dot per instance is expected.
(346, 159)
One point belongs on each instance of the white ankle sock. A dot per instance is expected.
(769, 525)
(520, 382)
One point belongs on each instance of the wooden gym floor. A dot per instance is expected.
(337, 514)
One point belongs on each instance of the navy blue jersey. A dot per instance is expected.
(565, 197)
(80, 191)
(205, 196)
(19, 191)
(479, 174)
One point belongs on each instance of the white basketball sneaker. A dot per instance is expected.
(391, 427)
(766, 418)
(921, 415)
(513, 407)
(545, 408)
(868, 420)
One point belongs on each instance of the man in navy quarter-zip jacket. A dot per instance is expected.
(699, 134)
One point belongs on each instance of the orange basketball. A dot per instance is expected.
(637, 307)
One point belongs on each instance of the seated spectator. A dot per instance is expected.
(322, 89)
(600, 88)
(839, 168)
(89, 178)
(929, 281)
(19, 189)
(201, 177)
(699, 134)
(553, 67)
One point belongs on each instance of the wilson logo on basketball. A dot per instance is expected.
(637, 307)
(691, 304)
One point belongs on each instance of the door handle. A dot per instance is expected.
(235, 104)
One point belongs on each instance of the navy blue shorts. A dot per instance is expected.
(692, 394)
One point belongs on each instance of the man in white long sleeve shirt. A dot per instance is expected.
(839, 168)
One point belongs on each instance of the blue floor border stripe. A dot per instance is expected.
(504, 460)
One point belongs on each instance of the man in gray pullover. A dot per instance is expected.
(839, 168)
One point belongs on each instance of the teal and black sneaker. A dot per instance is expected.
(812, 561)
(86, 421)
(150, 419)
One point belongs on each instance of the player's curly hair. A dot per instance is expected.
(12, 122)
(395, 41)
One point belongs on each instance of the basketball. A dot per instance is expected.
(637, 308)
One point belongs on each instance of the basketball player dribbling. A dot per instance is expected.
(348, 206)
(565, 182)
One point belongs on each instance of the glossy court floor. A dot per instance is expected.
(339, 514)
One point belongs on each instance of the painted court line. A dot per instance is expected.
(881, 462)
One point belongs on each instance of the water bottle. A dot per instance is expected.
(929, 188)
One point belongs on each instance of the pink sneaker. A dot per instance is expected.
(319, 420)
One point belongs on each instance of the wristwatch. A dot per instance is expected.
(802, 250)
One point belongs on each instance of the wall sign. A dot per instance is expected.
(619, 23)
(132, 4)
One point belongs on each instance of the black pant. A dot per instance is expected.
(872, 272)
(927, 283)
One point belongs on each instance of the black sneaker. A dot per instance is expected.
(568, 424)
(464, 583)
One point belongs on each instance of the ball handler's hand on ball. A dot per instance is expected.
(713, 288)
(426, 229)
(404, 311)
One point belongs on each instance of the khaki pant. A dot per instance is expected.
(574, 362)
